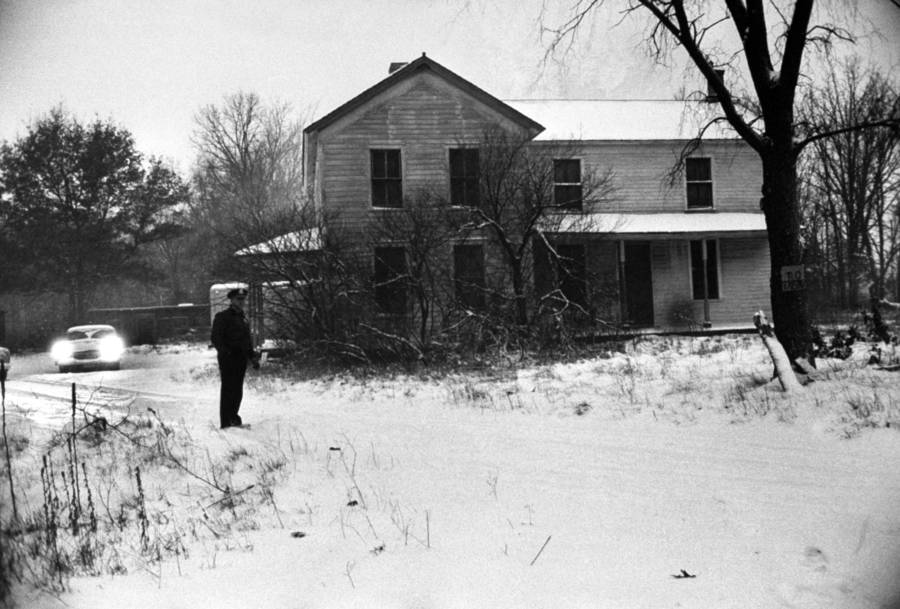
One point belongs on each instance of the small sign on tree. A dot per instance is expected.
(792, 278)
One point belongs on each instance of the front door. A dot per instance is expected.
(637, 283)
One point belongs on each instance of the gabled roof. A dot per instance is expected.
(425, 63)
(624, 120)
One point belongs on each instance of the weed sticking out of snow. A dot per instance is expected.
(664, 457)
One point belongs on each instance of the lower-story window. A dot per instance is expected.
(390, 279)
(705, 263)
(468, 275)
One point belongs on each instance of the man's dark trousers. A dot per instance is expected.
(232, 368)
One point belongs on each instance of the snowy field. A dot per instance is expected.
(671, 473)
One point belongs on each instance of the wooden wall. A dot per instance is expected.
(642, 182)
(743, 282)
(424, 117)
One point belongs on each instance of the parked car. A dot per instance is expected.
(89, 346)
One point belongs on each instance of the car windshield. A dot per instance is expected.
(89, 333)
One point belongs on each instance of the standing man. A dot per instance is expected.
(234, 348)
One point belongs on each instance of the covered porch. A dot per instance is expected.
(672, 272)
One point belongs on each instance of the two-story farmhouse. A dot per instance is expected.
(669, 243)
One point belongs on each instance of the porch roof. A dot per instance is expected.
(663, 224)
(304, 240)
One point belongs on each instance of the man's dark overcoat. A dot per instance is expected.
(234, 348)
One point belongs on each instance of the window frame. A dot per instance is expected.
(688, 182)
(468, 181)
(386, 181)
(718, 268)
(386, 293)
(464, 291)
(579, 206)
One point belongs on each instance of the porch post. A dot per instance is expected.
(706, 322)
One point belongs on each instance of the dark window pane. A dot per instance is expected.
(567, 170)
(697, 269)
(712, 266)
(698, 179)
(387, 182)
(393, 163)
(568, 197)
(464, 162)
(699, 195)
(390, 276)
(711, 270)
(457, 192)
(567, 183)
(698, 169)
(472, 162)
(379, 193)
(394, 194)
(457, 163)
(468, 270)
(378, 163)
(472, 193)
(464, 177)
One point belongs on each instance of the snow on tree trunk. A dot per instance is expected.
(789, 310)
(783, 369)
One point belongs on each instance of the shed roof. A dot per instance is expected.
(623, 120)
(305, 240)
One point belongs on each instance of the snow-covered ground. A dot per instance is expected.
(591, 483)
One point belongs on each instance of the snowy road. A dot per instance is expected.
(37, 392)
(767, 511)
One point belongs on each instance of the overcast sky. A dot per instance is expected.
(150, 65)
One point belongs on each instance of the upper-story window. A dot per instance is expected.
(567, 183)
(698, 177)
(464, 177)
(387, 178)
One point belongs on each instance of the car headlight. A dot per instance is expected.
(61, 350)
(111, 348)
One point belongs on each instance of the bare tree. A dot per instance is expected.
(425, 226)
(249, 168)
(855, 177)
(313, 289)
(518, 207)
(771, 41)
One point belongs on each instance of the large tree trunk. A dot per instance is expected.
(781, 209)
(519, 295)
(856, 263)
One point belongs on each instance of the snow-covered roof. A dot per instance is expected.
(661, 224)
(305, 240)
(90, 328)
(623, 120)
